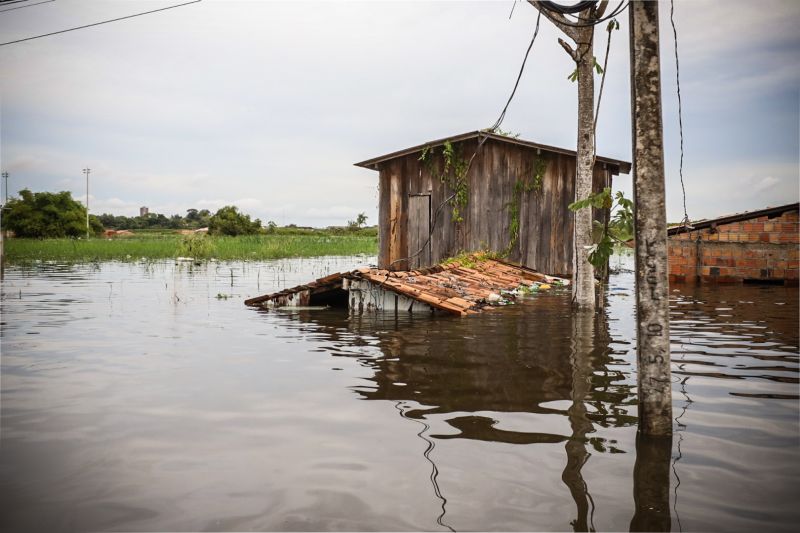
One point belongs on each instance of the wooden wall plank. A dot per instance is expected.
(546, 224)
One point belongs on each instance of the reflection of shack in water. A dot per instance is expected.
(537, 357)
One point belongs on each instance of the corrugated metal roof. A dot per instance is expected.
(453, 287)
(737, 217)
(622, 166)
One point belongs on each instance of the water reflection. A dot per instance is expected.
(533, 374)
(651, 482)
(135, 398)
(584, 339)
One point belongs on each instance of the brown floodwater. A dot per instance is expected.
(147, 397)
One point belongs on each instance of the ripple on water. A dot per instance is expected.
(135, 398)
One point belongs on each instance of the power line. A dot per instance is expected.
(568, 10)
(22, 7)
(519, 76)
(102, 22)
(9, 2)
(680, 111)
(550, 6)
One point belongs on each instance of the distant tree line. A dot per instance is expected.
(47, 214)
(193, 219)
(56, 215)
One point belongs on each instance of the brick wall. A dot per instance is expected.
(760, 248)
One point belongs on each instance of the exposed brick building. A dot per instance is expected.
(753, 246)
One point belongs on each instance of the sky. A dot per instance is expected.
(267, 105)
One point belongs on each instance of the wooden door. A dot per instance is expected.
(419, 229)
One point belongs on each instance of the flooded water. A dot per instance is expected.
(147, 397)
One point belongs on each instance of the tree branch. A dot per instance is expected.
(600, 10)
(572, 53)
(558, 19)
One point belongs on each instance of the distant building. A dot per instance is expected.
(143, 211)
(760, 246)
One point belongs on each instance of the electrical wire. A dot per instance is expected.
(513, 5)
(99, 23)
(619, 9)
(568, 10)
(22, 7)
(519, 76)
(9, 2)
(610, 29)
(685, 221)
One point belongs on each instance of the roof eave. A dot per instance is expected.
(623, 167)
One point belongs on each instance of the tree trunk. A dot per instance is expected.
(583, 290)
(583, 295)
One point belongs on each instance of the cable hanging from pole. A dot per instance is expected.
(685, 222)
(519, 76)
(582, 22)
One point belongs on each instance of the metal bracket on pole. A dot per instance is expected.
(652, 282)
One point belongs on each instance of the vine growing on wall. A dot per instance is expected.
(454, 175)
(531, 181)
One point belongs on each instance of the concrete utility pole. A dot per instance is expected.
(650, 218)
(86, 171)
(5, 177)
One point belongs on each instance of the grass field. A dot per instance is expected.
(165, 246)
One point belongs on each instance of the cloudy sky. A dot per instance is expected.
(267, 105)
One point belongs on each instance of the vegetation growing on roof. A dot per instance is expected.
(473, 259)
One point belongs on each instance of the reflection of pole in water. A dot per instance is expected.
(681, 427)
(582, 345)
(434, 470)
(651, 476)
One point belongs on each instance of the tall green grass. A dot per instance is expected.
(255, 247)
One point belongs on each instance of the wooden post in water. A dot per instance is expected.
(652, 284)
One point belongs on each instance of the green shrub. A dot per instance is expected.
(197, 246)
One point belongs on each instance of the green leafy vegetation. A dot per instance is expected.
(358, 223)
(47, 215)
(229, 221)
(197, 246)
(472, 259)
(618, 230)
(532, 181)
(454, 175)
(504, 133)
(224, 248)
(155, 221)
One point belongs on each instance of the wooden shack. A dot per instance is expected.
(754, 246)
(481, 191)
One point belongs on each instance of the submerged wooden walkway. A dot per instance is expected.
(459, 288)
